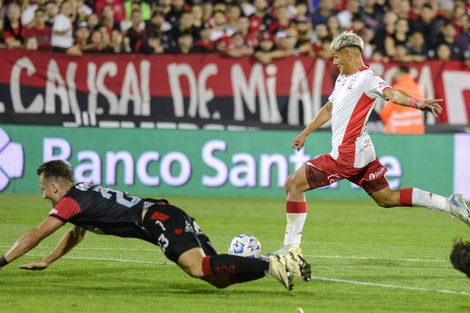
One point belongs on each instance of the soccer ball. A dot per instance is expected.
(245, 245)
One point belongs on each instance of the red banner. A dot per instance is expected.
(140, 90)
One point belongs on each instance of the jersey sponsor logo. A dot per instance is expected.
(333, 178)
(352, 82)
(382, 85)
(11, 159)
(377, 174)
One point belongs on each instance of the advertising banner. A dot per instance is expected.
(161, 163)
(192, 91)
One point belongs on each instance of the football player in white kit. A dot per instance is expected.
(353, 155)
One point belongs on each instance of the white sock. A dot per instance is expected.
(295, 224)
(430, 200)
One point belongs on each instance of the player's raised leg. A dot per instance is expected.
(454, 205)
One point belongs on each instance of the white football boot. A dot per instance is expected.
(278, 270)
(459, 208)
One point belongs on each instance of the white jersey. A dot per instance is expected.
(353, 99)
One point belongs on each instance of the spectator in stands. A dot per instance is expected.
(266, 51)
(281, 21)
(28, 10)
(387, 29)
(165, 6)
(443, 53)
(136, 32)
(415, 10)
(83, 11)
(399, 36)
(404, 9)
(325, 53)
(244, 27)
(247, 8)
(94, 21)
(62, 30)
(260, 20)
(108, 20)
(118, 43)
(81, 35)
(236, 47)
(153, 44)
(372, 13)
(177, 9)
(12, 33)
(333, 26)
(402, 55)
(345, 16)
(144, 7)
(463, 40)
(399, 119)
(302, 9)
(97, 41)
(304, 29)
(447, 36)
(185, 44)
(204, 44)
(52, 10)
(234, 13)
(198, 15)
(170, 38)
(158, 23)
(31, 43)
(117, 7)
(39, 30)
(324, 11)
(428, 26)
(416, 46)
(218, 28)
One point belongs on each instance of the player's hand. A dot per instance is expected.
(299, 141)
(430, 106)
(35, 266)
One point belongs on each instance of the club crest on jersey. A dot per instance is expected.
(352, 82)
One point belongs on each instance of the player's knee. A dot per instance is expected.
(290, 183)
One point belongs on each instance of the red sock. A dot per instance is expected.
(296, 207)
(239, 269)
(406, 197)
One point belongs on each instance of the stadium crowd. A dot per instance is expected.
(399, 30)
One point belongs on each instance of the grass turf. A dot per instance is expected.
(364, 259)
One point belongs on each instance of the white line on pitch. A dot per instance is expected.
(371, 258)
(106, 259)
(336, 280)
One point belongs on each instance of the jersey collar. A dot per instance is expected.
(359, 70)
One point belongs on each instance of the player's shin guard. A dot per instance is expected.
(418, 197)
(240, 269)
(296, 213)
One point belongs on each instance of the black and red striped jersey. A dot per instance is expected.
(102, 211)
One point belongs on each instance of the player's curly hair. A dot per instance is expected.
(347, 39)
(460, 256)
(61, 171)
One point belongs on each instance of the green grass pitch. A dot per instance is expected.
(364, 259)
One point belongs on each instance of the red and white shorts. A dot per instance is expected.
(324, 170)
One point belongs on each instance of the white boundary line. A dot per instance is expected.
(372, 258)
(336, 280)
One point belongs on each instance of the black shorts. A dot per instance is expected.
(174, 231)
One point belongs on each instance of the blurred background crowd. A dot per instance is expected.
(399, 30)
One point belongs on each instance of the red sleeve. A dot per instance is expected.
(65, 209)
